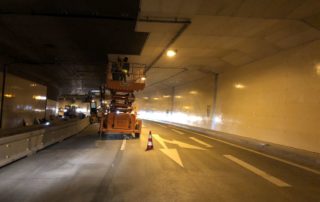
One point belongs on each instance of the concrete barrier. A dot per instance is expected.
(20, 145)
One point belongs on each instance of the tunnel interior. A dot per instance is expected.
(242, 73)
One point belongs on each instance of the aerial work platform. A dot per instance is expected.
(120, 116)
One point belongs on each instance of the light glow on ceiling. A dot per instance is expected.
(166, 96)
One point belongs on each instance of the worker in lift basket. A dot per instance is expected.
(125, 68)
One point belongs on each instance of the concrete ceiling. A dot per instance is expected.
(74, 39)
(65, 43)
(223, 34)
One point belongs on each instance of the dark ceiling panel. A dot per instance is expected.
(65, 44)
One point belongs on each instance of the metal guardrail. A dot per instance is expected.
(17, 146)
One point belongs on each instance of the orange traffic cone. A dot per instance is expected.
(150, 143)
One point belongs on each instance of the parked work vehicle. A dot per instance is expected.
(120, 116)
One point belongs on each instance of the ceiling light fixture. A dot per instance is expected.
(171, 53)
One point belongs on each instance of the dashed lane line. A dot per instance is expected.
(161, 125)
(257, 171)
(261, 154)
(123, 145)
(177, 131)
(201, 142)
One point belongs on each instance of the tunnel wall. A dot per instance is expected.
(276, 99)
(20, 102)
(191, 103)
(20, 145)
(81, 106)
(51, 108)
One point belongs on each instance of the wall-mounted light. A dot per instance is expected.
(143, 78)
(318, 69)
(171, 53)
(193, 92)
(239, 86)
(8, 95)
(186, 107)
(92, 100)
(178, 96)
(33, 85)
(166, 96)
(39, 97)
(156, 98)
(146, 98)
(217, 119)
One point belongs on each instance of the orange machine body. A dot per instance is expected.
(120, 117)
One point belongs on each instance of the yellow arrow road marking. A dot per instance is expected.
(160, 140)
(200, 142)
(184, 145)
(174, 155)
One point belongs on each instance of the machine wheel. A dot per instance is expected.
(137, 135)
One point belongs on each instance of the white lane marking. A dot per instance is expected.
(161, 125)
(262, 154)
(123, 145)
(200, 142)
(257, 171)
(177, 131)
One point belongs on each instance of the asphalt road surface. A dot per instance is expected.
(184, 166)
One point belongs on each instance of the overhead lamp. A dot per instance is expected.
(39, 97)
(166, 96)
(171, 53)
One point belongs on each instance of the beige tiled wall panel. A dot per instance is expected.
(276, 99)
(20, 103)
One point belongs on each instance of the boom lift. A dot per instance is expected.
(120, 117)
